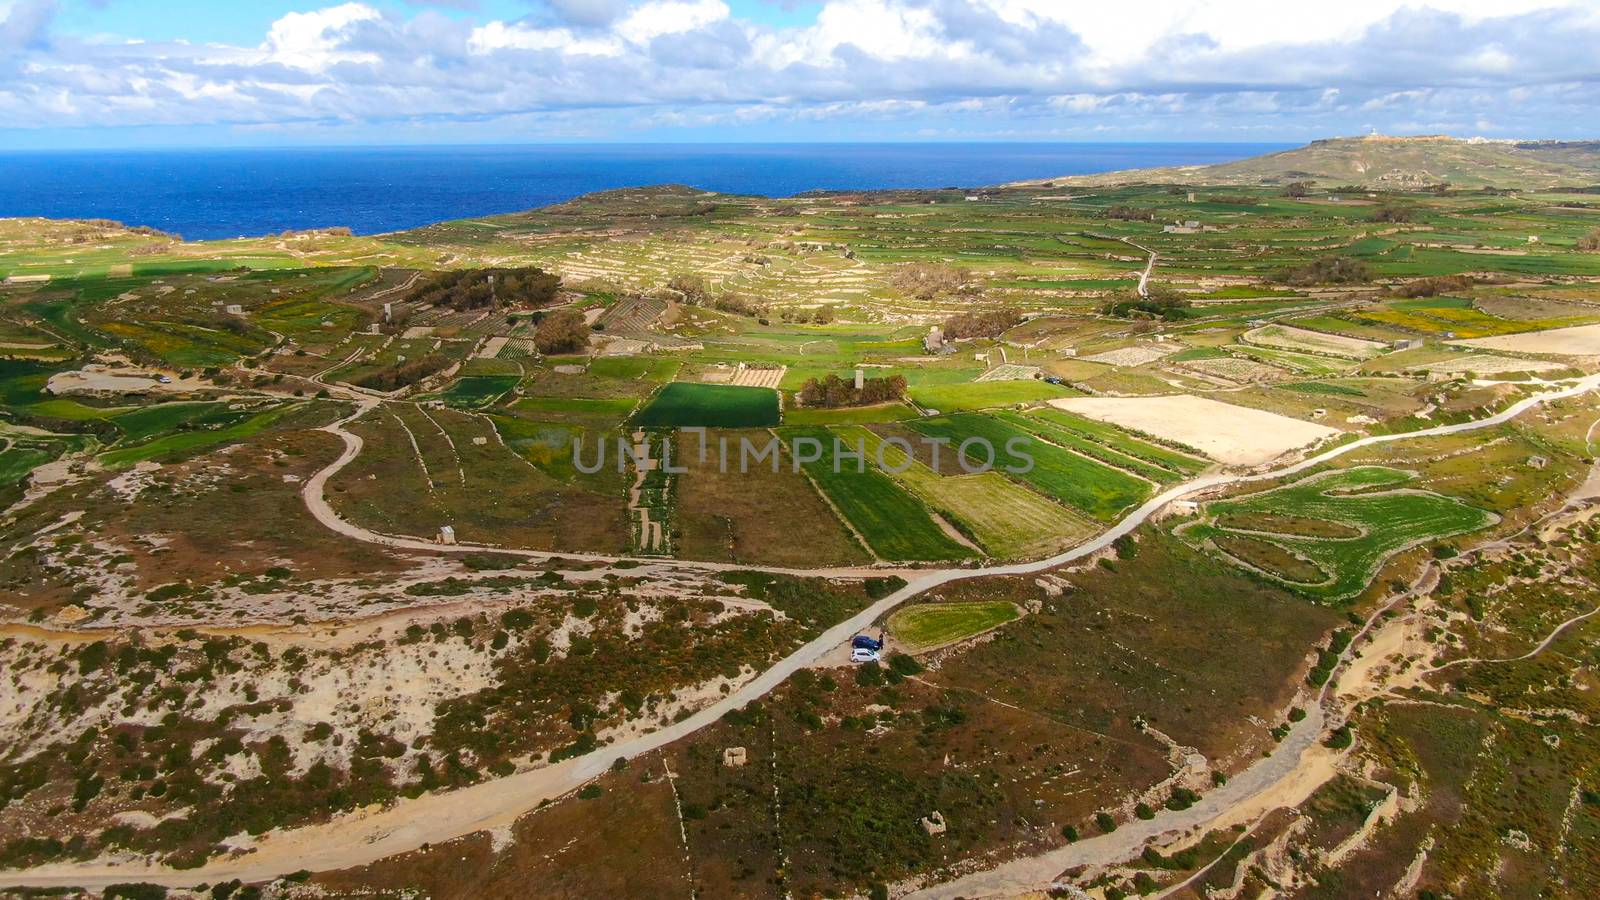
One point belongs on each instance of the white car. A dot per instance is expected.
(863, 655)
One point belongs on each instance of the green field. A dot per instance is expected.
(1092, 487)
(985, 394)
(1123, 442)
(476, 391)
(182, 443)
(151, 422)
(683, 404)
(1056, 434)
(1007, 519)
(894, 523)
(856, 415)
(1379, 514)
(928, 625)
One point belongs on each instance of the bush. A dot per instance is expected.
(135, 891)
(1341, 738)
(1070, 833)
(591, 792)
(903, 664)
(1104, 822)
(1144, 811)
(1182, 798)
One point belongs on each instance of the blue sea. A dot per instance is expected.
(205, 194)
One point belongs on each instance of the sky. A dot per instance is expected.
(137, 73)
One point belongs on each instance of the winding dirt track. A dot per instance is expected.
(358, 839)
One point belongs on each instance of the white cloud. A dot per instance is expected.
(662, 17)
(1005, 66)
(315, 40)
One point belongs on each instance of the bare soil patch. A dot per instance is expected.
(1227, 433)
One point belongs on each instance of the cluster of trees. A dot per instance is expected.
(1160, 303)
(1434, 286)
(478, 288)
(1590, 243)
(1130, 213)
(739, 305)
(693, 288)
(561, 331)
(925, 281)
(404, 374)
(1326, 270)
(1297, 189)
(1395, 213)
(985, 324)
(833, 392)
(822, 315)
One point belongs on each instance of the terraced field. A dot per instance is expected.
(1007, 519)
(893, 522)
(477, 391)
(1094, 488)
(1381, 517)
(1121, 441)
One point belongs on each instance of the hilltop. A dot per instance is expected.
(1378, 161)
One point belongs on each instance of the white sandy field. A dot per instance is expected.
(1230, 434)
(1580, 340)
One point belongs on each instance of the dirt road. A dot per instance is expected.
(358, 839)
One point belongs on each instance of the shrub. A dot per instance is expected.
(1104, 822)
(904, 664)
(135, 891)
(591, 792)
(1182, 798)
(1144, 811)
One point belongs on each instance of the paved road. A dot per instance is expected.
(355, 840)
(1144, 277)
